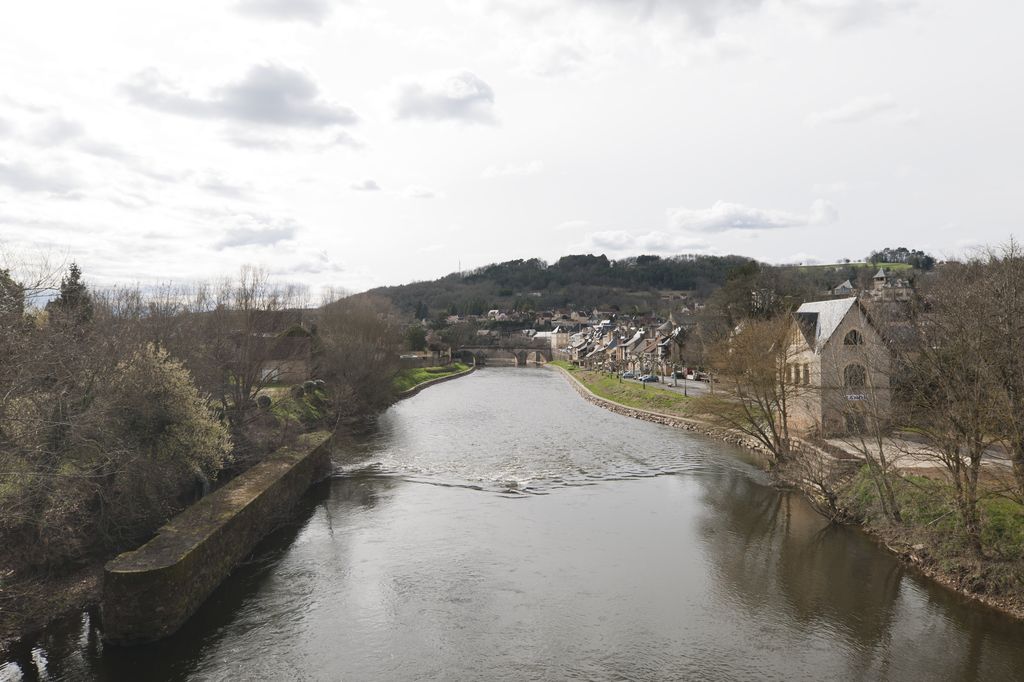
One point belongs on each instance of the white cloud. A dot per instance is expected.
(723, 216)
(572, 225)
(702, 16)
(855, 110)
(366, 186)
(526, 168)
(420, 192)
(216, 185)
(838, 15)
(256, 230)
(552, 59)
(247, 140)
(346, 139)
(837, 187)
(268, 94)
(23, 177)
(624, 242)
(462, 97)
(58, 131)
(312, 11)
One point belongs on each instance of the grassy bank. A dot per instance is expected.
(651, 397)
(931, 536)
(410, 378)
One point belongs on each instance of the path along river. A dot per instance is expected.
(499, 527)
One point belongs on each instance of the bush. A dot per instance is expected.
(128, 453)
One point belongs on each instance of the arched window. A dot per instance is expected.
(854, 338)
(854, 376)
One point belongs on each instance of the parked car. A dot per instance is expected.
(702, 376)
(628, 375)
(648, 377)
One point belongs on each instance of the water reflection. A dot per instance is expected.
(644, 553)
(780, 560)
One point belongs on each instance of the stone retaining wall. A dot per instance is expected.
(693, 425)
(150, 592)
(419, 387)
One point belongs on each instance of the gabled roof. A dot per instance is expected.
(818, 320)
(636, 337)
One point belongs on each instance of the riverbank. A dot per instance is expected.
(409, 382)
(31, 600)
(654, 405)
(926, 541)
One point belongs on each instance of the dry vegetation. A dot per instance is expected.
(117, 408)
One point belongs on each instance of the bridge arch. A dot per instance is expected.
(508, 355)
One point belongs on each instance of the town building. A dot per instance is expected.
(838, 369)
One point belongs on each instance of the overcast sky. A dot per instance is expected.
(358, 143)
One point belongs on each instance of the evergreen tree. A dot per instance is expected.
(74, 303)
(12, 299)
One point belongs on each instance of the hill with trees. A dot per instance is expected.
(635, 284)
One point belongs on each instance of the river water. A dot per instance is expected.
(498, 527)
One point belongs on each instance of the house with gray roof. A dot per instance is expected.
(839, 366)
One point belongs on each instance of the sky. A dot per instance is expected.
(353, 144)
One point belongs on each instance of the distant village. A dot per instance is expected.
(655, 348)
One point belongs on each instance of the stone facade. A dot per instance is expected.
(839, 369)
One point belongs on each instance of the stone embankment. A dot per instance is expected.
(408, 393)
(150, 592)
(693, 425)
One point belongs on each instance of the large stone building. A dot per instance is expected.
(839, 369)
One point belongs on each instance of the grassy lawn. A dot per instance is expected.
(408, 378)
(632, 394)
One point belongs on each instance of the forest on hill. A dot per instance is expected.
(634, 284)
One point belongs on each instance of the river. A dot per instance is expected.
(498, 527)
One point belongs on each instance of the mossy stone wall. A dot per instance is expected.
(150, 592)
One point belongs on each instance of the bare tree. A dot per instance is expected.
(996, 293)
(360, 341)
(757, 363)
(857, 390)
(228, 332)
(956, 401)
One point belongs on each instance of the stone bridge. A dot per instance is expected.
(508, 354)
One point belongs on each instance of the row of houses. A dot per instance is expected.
(838, 361)
(645, 345)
